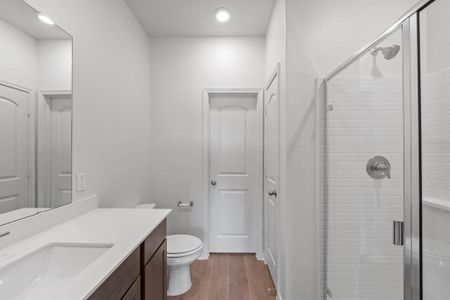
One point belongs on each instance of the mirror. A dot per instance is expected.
(35, 113)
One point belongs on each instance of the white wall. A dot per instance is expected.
(18, 56)
(111, 107)
(320, 35)
(180, 68)
(54, 65)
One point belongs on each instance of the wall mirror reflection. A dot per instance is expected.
(35, 112)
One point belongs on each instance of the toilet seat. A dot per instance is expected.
(182, 245)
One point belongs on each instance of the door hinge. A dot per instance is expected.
(398, 233)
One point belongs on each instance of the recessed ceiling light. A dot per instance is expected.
(46, 19)
(222, 15)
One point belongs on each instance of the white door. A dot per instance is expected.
(234, 143)
(13, 149)
(61, 153)
(271, 163)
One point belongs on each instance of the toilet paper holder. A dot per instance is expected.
(181, 204)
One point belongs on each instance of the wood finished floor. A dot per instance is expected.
(229, 277)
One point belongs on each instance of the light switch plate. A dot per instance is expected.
(81, 182)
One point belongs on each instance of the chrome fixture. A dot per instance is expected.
(398, 233)
(378, 167)
(388, 52)
(181, 204)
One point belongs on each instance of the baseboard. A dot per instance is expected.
(260, 256)
(279, 297)
(204, 256)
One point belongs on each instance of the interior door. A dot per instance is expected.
(233, 170)
(271, 176)
(13, 149)
(61, 153)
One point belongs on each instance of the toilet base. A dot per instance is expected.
(179, 280)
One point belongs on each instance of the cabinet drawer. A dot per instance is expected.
(155, 273)
(152, 243)
(134, 293)
(120, 280)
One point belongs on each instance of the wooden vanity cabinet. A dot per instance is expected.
(134, 293)
(154, 267)
(143, 275)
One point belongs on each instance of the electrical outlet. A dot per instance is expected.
(81, 182)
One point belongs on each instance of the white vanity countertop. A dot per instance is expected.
(125, 228)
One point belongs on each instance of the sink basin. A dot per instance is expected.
(47, 268)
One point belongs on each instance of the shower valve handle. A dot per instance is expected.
(379, 167)
(382, 167)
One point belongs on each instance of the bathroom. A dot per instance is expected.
(333, 184)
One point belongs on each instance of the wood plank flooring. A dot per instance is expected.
(229, 277)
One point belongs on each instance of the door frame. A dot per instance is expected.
(259, 226)
(43, 188)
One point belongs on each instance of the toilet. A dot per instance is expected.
(182, 251)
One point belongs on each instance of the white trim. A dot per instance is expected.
(42, 130)
(31, 149)
(15, 86)
(279, 296)
(55, 92)
(276, 76)
(205, 166)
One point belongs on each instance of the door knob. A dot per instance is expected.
(273, 193)
(213, 182)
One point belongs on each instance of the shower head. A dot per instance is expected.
(388, 52)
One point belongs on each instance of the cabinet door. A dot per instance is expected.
(134, 293)
(119, 282)
(155, 283)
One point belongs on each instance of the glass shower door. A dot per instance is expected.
(363, 170)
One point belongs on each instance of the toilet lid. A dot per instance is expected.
(181, 243)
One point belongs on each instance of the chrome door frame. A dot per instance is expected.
(411, 160)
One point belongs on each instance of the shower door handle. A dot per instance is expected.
(398, 229)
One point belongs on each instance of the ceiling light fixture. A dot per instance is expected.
(46, 19)
(222, 15)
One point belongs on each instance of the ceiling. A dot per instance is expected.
(179, 18)
(25, 18)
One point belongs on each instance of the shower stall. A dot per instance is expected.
(385, 164)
